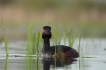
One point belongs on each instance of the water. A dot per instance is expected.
(92, 48)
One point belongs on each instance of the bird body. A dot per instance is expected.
(61, 50)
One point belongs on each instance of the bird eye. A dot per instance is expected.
(43, 32)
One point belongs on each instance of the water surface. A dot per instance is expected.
(92, 56)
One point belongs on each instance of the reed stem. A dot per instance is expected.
(5, 38)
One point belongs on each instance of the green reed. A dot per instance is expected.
(55, 43)
(55, 36)
(30, 41)
(37, 48)
(6, 45)
(71, 37)
(38, 39)
(5, 38)
(79, 48)
(64, 38)
(37, 64)
(79, 44)
(29, 49)
(6, 63)
(34, 43)
(32, 48)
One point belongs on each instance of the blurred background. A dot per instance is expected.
(88, 17)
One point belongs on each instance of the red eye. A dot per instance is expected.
(43, 32)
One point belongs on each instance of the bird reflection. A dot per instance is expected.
(56, 62)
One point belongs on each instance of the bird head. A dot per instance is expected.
(46, 32)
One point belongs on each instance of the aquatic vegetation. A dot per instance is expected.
(71, 37)
(6, 64)
(37, 64)
(32, 47)
(5, 38)
(38, 39)
(6, 46)
(79, 48)
(29, 49)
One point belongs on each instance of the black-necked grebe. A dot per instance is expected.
(61, 50)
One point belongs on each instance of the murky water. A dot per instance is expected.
(95, 49)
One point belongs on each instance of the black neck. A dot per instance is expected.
(46, 44)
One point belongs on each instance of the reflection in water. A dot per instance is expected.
(58, 62)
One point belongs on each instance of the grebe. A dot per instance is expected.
(58, 50)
